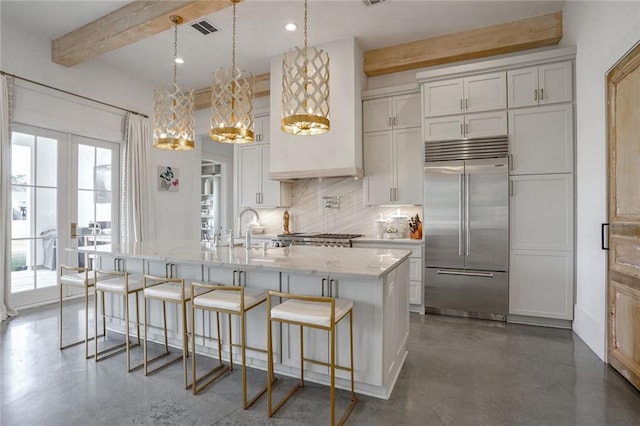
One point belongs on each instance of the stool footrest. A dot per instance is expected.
(78, 342)
(285, 399)
(326, 364)
(112, 351)
(211, 377)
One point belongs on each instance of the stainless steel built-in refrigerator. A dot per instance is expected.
(466, 233)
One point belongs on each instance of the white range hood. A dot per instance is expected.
(338, 152)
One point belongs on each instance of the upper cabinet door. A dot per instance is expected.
(261, 125)
(406, 111)
(485, 124)
(409, 166)
(522, 85)
(541, 139)
(485, 92)
(378, 168)
(555, 83)
(444, 128)
(250, 175)
(443, 97)
(377, 115)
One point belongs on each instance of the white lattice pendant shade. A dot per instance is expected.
(232, 106)
(174, 121)
(305, 91)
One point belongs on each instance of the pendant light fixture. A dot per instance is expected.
(232, 100)
(305, 89)
(173, 107)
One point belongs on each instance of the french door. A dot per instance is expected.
(57, 179)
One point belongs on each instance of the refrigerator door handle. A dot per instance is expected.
(460, 202)
(467, 237)
(465, 273)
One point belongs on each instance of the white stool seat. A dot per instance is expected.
(168, 291)
(314, 313)
(77, 280)
(117, 284)
(230, 300)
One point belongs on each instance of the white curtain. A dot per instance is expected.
(6, 92)
(138, 218)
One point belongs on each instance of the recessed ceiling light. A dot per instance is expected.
(290, 26)
(179, 61)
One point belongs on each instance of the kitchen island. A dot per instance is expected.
(377, 280)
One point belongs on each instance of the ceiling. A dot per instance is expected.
(260, 29)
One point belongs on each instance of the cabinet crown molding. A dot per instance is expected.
(499, 64)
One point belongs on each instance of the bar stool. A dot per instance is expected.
(231, 300)
(318, 312)
(123, 284)
(170, 290)
(77, 277)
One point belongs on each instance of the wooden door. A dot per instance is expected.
(623, 273)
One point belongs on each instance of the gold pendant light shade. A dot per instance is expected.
(305, 91)
(173, 108)
(232, 106)
(174, 121)
(232, 100)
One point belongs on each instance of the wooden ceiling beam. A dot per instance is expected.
(529, 33)
(129, 24)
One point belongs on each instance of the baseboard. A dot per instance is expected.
(591, 331)
(541, 322)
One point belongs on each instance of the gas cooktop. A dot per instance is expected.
(319, 235)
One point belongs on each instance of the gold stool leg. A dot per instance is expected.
(332, 335)
(60, 322)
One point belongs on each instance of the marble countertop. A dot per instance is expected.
(364, 263)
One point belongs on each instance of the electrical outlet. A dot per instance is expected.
(74, 229)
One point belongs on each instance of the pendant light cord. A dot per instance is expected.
(305, 26)
(175, 51)
(233, 42)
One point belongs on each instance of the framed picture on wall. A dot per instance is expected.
(168, 179)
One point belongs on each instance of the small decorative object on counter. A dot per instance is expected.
(415, 228)
(379, 226)
(285, 222)
(401, 223)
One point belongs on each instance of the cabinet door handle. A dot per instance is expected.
(332, 283)
(602, 238)
(535, 95)
(461, 107)
(322, 283)
(510, 161)
(511, 188)
(462, 129)
(241, 274)
(389, 121)
(466, 103)
(541, 94)
(390, 194)
(466, 129)
(395, 194)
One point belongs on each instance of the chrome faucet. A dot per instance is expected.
(248, 209)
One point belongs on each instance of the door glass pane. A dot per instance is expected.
(47, 162)
(20, 212)
(86, 211)
(86, 163)
(21, 164)
(21, 276)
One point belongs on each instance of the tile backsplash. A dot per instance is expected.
(309, 214)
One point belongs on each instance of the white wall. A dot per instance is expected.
(602, 31)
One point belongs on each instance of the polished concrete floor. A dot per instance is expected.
(458, 372)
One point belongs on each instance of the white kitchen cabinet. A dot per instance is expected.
(255, 189)
(483, 92)
(540, 85)
(541, 246)
(541, 284)
(395, 112)
(393, 162)
(541, 139)
(541, 212)
(261, 128)
(478, 125)
(416, 266)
